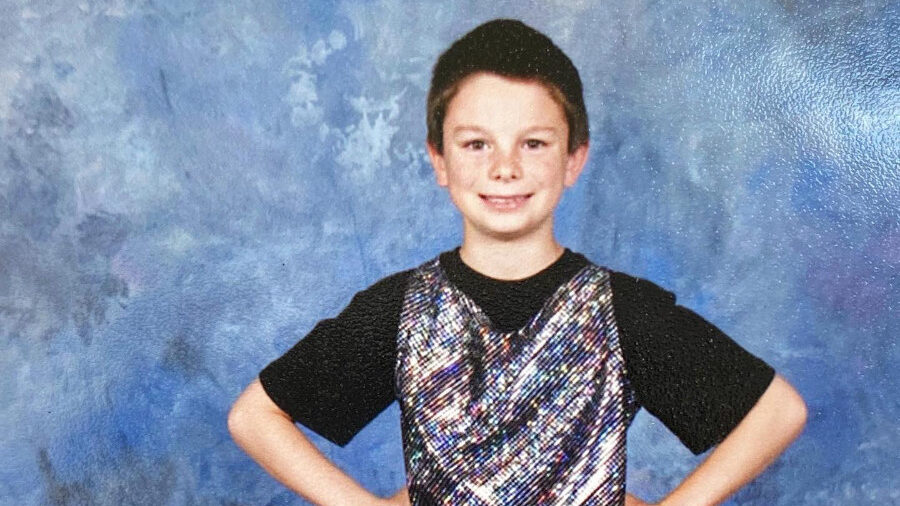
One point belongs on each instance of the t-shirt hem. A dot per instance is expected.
(323, 429)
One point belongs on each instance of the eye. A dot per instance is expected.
(475, 145)
(535, 143)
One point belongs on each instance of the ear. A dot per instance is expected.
(437, 161)
(575, 164)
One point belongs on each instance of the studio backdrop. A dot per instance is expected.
(187, 187)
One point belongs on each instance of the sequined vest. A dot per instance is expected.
(534, 416)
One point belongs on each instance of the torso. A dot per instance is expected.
(535, 415)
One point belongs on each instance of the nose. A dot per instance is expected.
(506, 166)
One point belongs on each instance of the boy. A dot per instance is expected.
(518, 363)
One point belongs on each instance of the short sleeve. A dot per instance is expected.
(340, 376)
(685, 371)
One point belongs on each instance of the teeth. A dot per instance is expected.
(506, 201)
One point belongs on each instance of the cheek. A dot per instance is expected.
(463, 175)
(548, 170)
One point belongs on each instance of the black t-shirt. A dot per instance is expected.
(684, 370)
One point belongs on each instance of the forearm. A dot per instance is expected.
(272, 440)
(764, 433)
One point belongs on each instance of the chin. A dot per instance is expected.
(507, 233)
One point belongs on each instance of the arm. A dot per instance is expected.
(769, 427)
(333, 381)
(270, 437)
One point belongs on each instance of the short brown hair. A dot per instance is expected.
(511, 49)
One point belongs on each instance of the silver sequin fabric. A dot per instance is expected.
(534, 416)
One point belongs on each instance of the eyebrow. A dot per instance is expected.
(473, 128)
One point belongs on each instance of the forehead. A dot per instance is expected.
(492, 101)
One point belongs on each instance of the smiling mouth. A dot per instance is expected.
(505, 201)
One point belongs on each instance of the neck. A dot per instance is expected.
(510, 260)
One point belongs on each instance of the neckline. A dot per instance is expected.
(452, 264)
(569, 266)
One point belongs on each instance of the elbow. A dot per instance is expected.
(800, 415)
(237, 420)
(242, 417)
(795, 412)
(252, 413)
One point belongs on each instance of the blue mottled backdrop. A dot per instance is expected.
(187, 187)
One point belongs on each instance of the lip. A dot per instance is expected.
(505, 203)
(518, 195)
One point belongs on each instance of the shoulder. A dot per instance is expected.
(632, 293)
(642, 309)
(632, 296)
(378, 304)
(388, 285)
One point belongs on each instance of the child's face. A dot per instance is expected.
(505, 160)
